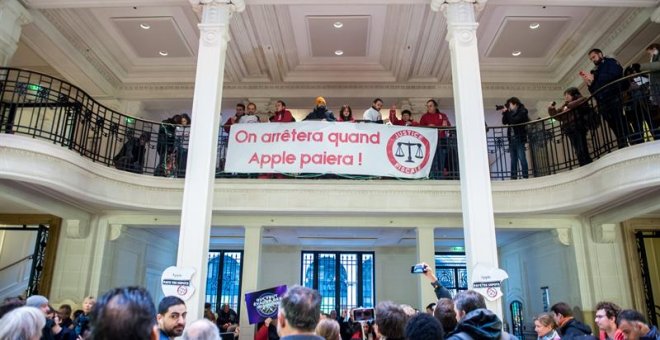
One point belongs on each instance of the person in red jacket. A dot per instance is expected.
(282, 115)
(436, 119)
(406, 117)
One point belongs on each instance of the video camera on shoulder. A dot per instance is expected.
(499, 107)
(362, 314)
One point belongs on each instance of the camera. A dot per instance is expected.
(499, 107)
(363, 314)
(419, 268)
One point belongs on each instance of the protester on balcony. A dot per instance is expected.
(372, 114)
(636, 104)
(182, 140)
(282, 115)
(574, 116)
(653, 65)
(320, 111)
(438, 120)
(130, 158)
(346, 114)
(250, 116)
(610, 106)
(406, 117)
(165, 145)
(240, 112)
(516, 115)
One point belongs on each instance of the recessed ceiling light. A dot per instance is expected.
(338, 24)
(339, 52)
(145, 26)
(516, 53)
(163, 53)
(534, 25)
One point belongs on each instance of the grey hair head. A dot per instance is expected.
(22, 323)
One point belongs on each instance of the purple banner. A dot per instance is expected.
(264, 303)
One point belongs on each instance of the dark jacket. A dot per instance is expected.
(440, 290)
(166, 136)
(653, 334)
(131, 156)
(573, 329)
(519, 116)
(479, 324)
(606, 72)
(321, 113)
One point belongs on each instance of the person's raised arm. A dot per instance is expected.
(440, 290)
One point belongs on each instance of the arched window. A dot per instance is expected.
(344, 280)
(517, 318)
(223, 279)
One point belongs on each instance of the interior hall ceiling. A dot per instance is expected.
(286, 49)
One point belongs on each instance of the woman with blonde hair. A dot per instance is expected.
(328, 329)
(545, 327)
(23, 323)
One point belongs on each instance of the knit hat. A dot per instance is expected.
(320, 101)
(36, 301)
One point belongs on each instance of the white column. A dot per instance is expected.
(426, 253)
(476, 196)
(12, 16)
(251, 264)
(200, 174)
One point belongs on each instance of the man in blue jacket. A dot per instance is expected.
(633, 326)
(606, 71)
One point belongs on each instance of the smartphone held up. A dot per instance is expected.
(419, 268)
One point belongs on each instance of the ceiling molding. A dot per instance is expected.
(63, 21)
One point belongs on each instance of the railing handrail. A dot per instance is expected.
(78, 89)
(47, 107)
(28, 257)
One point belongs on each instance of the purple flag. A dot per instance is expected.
(264, 303)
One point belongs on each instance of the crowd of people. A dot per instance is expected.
(129, 313)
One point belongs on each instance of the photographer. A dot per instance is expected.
(515, 114)
(574, 117)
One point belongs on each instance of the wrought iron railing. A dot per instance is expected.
(37, 105)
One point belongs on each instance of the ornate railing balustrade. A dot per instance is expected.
(44, 107)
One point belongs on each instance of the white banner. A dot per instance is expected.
(331, 147)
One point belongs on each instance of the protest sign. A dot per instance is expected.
(327, 147)
(264, 304)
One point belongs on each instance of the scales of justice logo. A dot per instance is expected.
(408, 151)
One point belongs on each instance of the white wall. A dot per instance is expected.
(534, 262)
(15, 245)
(137, 258)
(393, 279)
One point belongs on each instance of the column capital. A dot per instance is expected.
(76, 229)
(442, 5)
(604, 233)
(19, 13)
(235, 5)
(655, 16)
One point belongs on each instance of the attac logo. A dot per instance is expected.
(408, 151)
(267, 304)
